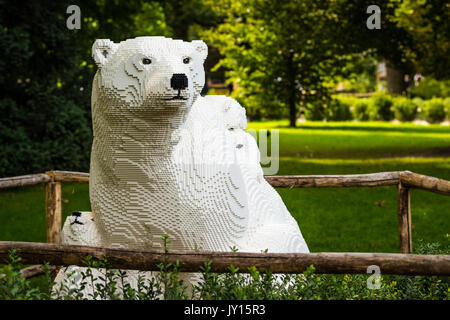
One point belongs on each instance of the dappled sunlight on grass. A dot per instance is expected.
(328, 140)
(436, 167)
(350, 125)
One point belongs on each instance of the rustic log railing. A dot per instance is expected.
(405, 180)
(192, 261)
(63, 255)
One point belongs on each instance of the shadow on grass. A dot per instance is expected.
(371, 153)
(432, 167)
(387, 128)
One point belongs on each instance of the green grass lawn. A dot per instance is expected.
(331, 219)
(350, 140)
(362, 219)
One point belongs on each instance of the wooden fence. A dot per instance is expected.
(327, 263)
(192, 261)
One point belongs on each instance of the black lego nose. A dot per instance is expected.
(179, 81)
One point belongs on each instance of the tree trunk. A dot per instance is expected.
(394, 79)
(291, 91)
(292, 113)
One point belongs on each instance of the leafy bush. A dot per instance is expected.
(381, 107)
(338, 110)
(405, 109)
(447, 107)
(349, 100)
(419, 102)
(361, 110)
(334, 109)
(46, 73)
(13, 286)
(45, 115)
(434, 111)
(430, 88)
(32, 143)
(113, 284)
(315, 111)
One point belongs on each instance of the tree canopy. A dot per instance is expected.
(281, 54)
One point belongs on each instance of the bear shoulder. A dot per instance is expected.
(228, 109)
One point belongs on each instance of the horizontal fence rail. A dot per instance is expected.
(404, 180)
(414, 180)
(192, 261)
(23, 181)
(408, 178)
(326, 181)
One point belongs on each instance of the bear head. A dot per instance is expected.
(148, 74)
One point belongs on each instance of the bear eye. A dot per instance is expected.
(146, 61)
(186, 60)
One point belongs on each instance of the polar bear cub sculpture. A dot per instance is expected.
(166, 160)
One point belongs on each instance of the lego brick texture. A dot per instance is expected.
(166, 160)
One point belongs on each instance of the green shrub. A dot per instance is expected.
(447, 107)
(361, 110)
(372, 112)
(434, 111)
(32, 143)
(405, 109)
(338, 110)
(315, 111)
(334, 109)
(430, 88)
(381, 107)
(419, 102)
(13, 286)
(349, 100)
(45, 121)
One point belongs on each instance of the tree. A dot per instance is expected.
(180, 16)
(44, 121)
(278, 60)
(413, 36)
(428, 24)
(281, 53)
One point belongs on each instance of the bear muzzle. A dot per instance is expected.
(179, 81)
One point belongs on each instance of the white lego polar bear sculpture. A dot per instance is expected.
(166, 160)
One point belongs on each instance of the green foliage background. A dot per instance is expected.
(47, 75)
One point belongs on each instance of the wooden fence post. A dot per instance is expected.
(53, 210)
(404, 218)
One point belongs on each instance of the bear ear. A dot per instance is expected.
(201, 48)
(102, 49)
